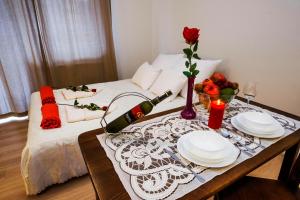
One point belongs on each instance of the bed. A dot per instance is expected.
(53, 156)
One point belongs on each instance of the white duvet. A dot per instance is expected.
(53, 156)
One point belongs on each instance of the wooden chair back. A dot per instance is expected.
(295, 171)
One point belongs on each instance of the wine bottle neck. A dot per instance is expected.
(158, 99)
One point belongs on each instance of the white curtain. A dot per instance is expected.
(21, 69)
(77, 40)
(53, 42)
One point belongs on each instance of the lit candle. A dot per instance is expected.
(216, 114)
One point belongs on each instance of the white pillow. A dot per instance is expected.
(168, 80)
(145, 76)
(167, 61)
(206, 68)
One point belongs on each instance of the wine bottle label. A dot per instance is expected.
(137, 112)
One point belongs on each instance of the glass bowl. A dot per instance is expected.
(205, 99)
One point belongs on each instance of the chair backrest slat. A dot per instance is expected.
(295, 171)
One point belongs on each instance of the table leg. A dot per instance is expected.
(287, 162)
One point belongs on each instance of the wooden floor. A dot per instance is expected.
(13, 139)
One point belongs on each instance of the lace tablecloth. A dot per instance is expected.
(147, 172)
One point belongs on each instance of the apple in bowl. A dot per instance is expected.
(216, 87)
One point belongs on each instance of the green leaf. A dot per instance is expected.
(195, 47)
(84, 88)
(187, 74)
(187, 64)
(73, 88)
(188, 52)
(91, 106)
(196, 56)
(193, 67)
(195, 73)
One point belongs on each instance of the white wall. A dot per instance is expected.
(132, 34)
(258, 40)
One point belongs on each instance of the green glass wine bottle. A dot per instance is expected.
(135, 113)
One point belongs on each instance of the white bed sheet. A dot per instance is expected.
(53, 156)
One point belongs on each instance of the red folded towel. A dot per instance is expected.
(47, 95)
(50, 116)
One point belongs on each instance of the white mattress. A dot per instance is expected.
(53, 156)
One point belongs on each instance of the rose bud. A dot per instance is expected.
(94, 90)
(104, 108)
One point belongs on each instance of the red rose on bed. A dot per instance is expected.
(104, 108)
(191, 35)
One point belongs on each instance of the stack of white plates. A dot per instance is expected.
(207, 148)
(258, 124)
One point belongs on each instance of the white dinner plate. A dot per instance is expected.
(207, 145)
(260, 129)
(203, 156)
(257, 122)
(230, 157)
(207, 141)
(267, 130)
(275, 134)
(258, 118)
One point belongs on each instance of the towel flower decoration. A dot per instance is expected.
(47, 95)
(191, 36)
(50, 116)
(91, 106)
(81, 88)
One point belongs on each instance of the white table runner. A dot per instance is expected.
(147, 172)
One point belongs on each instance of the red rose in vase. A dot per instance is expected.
(191, 35)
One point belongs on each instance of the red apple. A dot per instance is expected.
(212, 90)
(207, 82)
(218, 78)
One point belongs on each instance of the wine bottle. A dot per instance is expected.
(135, 113)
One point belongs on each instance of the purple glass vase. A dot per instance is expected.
(188, 112)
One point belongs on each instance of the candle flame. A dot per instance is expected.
(219, 102)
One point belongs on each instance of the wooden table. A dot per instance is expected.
(107, 185)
